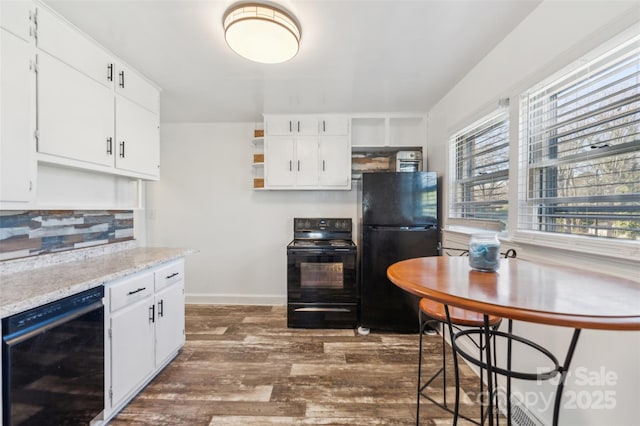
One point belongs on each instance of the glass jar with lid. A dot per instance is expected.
(484, 252)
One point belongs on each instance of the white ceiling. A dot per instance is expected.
(355, 55)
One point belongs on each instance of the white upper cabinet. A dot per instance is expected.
(137, 135)
(17, 118)
(279, 169)
(307, 152)
(334, 125)
(132, 86)
(75, 114)
(93, 112)
(335, 162)
(306, 164)
(65, 43)
(291, 125)
(17, 17)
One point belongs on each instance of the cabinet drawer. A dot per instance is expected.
(130, 290)
(169, 273)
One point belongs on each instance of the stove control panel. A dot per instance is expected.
(324, 225)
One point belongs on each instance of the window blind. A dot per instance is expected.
(581, 146)
(480, 170)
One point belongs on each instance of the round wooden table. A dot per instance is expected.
(526, 291)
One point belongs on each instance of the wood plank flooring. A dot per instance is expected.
(241, 365)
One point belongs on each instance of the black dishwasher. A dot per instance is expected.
(53, 362)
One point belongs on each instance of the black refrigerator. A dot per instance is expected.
(398, 221)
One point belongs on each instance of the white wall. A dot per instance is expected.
(205, 201)
(550, 38)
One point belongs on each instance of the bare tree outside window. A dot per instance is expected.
(583, 147)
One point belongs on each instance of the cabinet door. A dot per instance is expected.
(170, 321)
(334, 125)
(17, 145)
(138, 138)
(135, 88)
(279, 126)
(279, 162)
(306, 164)
(291, 125)
(132, 348)
(64, 42)
(16, 16)
(306, 126)
(83, 128)
(335, 161)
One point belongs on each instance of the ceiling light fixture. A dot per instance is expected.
(261, 33)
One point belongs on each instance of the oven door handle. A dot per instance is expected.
(21, 336)
(322, 310)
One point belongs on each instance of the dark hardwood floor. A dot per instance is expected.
(241, 365)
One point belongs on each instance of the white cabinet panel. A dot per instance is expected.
(279, 159)
(135, 88)
(334, 125)
(291, 125)
(16, 16)
(17, 120)
(137, 136)
(64, 42)
(146, 327)
(306, 162)
(132, 348)
(335, 161)
(170, 321)
(75, 114)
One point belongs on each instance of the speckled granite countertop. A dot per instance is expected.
(20, 291)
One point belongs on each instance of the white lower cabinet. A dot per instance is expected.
(132, 357)
(145, 329)
(169, 285)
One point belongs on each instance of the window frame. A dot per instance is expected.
(592, 244)
(497, 118)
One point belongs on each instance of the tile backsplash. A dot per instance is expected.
(34, 232)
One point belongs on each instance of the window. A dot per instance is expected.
(580, 150)
(480, 171)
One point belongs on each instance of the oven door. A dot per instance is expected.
(321, 276)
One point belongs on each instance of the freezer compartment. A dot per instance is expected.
(383, 305)
(400, 199)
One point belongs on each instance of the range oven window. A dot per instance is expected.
(314, 277)
(321, 275)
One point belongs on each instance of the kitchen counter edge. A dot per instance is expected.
(25, 290)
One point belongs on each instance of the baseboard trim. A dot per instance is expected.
(234, 299)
